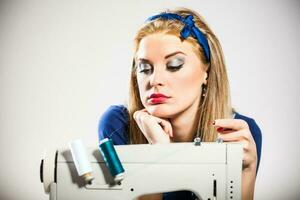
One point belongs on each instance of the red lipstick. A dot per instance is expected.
(157, 98)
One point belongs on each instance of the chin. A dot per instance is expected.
(161, 110)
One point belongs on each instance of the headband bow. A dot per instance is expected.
(188, 29)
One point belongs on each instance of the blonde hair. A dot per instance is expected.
(216, 102)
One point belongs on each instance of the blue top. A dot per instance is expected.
(114, 124)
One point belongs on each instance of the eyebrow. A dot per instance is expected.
(143, 60)
(174, 53)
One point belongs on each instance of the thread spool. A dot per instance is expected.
(111, 159)
(81, 161)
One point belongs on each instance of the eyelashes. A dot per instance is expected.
(172, 66)
(144, 67)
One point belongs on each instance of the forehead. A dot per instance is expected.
(156, 46)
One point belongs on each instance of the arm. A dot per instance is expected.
(156, 130)
(237, 130)
(248, 183)
(113, 125)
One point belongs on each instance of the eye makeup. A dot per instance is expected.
(175, 63)
(144, 66)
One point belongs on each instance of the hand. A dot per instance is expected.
(156, 130)
(237, 130)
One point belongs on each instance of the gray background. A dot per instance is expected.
(63, 62)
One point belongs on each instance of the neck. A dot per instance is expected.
(185, 124)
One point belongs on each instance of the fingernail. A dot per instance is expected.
(220, 129)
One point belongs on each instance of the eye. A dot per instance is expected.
(144, 67)
(175, 64)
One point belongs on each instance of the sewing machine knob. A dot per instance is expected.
(41, 171)
(48, 169)
(219, 140)
(197, 141)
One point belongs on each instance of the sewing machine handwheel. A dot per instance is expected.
(41, 171)
(48, 169)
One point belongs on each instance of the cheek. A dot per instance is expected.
(189, 84)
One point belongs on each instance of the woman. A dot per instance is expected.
(178, 91)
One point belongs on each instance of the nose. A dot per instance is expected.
(157, 78)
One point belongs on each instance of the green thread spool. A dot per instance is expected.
(111, 159)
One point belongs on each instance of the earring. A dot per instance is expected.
(204, 90)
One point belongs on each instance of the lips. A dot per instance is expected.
(157, 95)
(157, 98)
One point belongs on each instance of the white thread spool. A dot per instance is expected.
(81, 161)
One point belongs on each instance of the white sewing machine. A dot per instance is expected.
(211, 171)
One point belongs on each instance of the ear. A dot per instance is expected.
(205, 78)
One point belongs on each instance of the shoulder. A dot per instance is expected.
(116, 112)
(255, 131)
(114, 123)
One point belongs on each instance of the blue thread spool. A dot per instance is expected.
(111, 159)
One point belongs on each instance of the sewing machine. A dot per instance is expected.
(210, 170)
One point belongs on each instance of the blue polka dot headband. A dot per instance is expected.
(189, 29)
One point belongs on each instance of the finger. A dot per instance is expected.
(235, 124)
(247, 159)
(165, 125)
(145, 110)
(140, 116)
(234, 136)
(246, 144)
(170, 130)
(137, 114)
